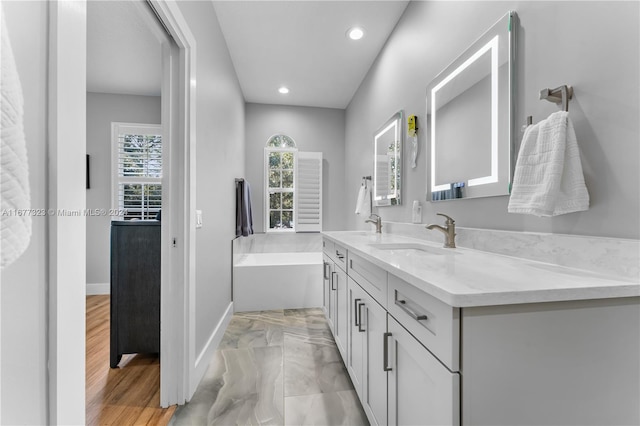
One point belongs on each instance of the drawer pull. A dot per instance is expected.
(385, 349)
(326, 274)
(403, 305)
(355, 312)
(360, 329)
(333, 274)
(340, 255)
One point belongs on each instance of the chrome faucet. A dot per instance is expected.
(449, 232)
(377, 222)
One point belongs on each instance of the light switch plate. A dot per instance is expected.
(198, 218)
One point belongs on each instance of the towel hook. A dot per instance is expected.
(562, 94)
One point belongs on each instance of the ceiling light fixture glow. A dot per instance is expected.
(355, 33)
(283, 90)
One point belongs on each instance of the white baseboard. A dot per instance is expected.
(204, 357)
(98, 288)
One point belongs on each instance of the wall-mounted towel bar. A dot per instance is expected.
(560, 95)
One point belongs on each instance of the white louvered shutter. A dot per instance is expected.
(308, 193)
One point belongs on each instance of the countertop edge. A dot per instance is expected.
(623, 290)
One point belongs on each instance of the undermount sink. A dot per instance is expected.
(412, 247)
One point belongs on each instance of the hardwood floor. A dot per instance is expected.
(126, 395)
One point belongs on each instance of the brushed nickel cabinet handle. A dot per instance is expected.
(360, 329)
(355, 312)
(333, 274)
(385, 358)
(403, 305)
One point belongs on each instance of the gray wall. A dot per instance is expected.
(314, 130)
(102, 110)
(220, 159)
(25, 282)
(591, 45)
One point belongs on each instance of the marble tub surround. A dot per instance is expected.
(278, 243)
(465, 277)
(275, 367)
(615, 257)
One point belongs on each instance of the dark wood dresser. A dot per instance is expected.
(135, 288)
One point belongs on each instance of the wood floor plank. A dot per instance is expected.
(127, 395)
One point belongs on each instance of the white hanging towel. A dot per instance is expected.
(363, 205)
(15, 199)
(548, 178)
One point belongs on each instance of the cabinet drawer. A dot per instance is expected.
(336, 252)
(434, 323)
(328, 247)
(372, 278)
(339, 255)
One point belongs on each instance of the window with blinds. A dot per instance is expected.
(137, 170)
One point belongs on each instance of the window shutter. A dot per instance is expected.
(308, 192)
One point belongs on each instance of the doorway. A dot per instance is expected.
(126, 180)
(67, 138)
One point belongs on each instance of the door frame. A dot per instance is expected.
(67, 241)
(177, 309)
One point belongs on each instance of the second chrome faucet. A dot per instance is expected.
(449, 232)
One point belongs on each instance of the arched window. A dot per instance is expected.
(280, 160)
(293, 187)
(281, 141)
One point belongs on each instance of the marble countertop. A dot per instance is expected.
(464, 277)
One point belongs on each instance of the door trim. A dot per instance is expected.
(177, 311)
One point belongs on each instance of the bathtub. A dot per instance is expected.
(285, 280)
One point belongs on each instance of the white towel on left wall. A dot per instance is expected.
(548, 178)
(363, 204)
(15, 195)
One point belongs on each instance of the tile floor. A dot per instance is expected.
(275, 367)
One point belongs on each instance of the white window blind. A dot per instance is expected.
(137, 170)
(308, 192)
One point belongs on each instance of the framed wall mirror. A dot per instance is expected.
(470, 119)
(387, 167)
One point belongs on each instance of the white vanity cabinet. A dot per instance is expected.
(335, 291)
(446, 339)
(397, 379)
(365, 360)
(327, 294)
(421, 390)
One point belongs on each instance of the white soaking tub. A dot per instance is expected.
(265, 281)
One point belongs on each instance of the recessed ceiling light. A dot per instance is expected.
(355, 33)
(283, 90)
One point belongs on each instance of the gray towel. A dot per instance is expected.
(244, 219)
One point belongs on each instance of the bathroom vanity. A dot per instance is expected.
(458, 336)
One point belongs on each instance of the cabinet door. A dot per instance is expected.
(356, 358)
(326, 288)
(421, 390)
(341, 320)
(373, 323)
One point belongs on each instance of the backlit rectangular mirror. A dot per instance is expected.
(470, 119)
(387, 142)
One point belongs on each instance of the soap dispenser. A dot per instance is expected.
(416, 213)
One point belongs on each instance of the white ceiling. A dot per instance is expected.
(123, 52)
(303, 45)
(299, 44)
